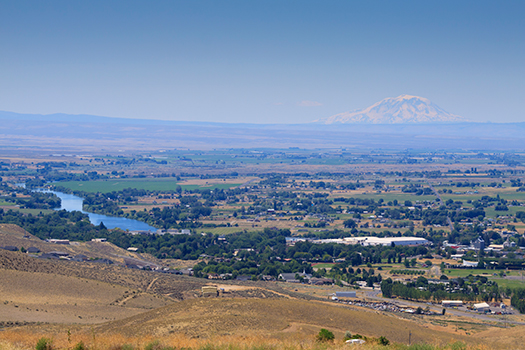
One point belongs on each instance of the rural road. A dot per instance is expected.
(374, 294)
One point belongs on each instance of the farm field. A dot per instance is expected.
(163, 184)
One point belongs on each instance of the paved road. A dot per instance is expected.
(374, 294)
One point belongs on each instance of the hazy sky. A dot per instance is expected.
(260, 61)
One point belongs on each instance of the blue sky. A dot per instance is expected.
(260, 61)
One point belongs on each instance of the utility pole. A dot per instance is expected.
(409, 337)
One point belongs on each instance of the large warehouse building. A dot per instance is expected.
(376, 241)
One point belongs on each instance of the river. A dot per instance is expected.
(74, 203)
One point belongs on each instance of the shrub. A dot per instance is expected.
(80, 346)
(122, 347)
(348, 335)
(383, 341)
(44, 344)
(325, 336)
(154, 345)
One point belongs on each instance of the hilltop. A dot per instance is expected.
(272, 317)
(13, 235)
(404, 109)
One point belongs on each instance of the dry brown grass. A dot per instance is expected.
(14, 235)
(275, 318)
(26, 339)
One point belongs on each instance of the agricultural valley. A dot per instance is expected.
(263, 246)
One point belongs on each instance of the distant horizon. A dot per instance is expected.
(268, 62)
(247, 123)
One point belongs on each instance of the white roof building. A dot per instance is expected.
(482, 307)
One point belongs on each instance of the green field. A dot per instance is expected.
(3, 202)
(27, 211)
(491, 212)
(105, 186)
(466, 272)
(502, 282)
(36, 211)
(387, 197)
(220, 230)
(324, 266)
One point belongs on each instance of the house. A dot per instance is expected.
(59, 241)
(451, 303)
(294, 277)
(33, 250)
(355, 341)
(268, 278)
(478, 244)
(210, 291)
(469, 263)
(55, 255)
(59, 254)
(321, 281)
(80, 257)
(187, 272)
(132, 249)
(11, 248)
(48, 256)
(345, 294)
(100, 240)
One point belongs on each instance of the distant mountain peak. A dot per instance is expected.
(404, 109)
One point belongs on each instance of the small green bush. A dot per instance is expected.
(154, 345)
(44, 344)
(157, 345)
(123, 347)
(80, 346)
(348, 335)
(325, 336)
(383, 341)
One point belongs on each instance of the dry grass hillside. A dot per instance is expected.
(54, 291)
(43, 297)
(170, 286)
(14, 235)
(278, 318)
(132, 305)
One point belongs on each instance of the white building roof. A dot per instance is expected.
(481, 306)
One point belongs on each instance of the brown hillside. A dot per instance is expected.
(275, 317)
(174, 287)
(44, 297)
(16, 236)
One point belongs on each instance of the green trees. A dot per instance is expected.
(325, 336)
(44, 344)
(349, 223)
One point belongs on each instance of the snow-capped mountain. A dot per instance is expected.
(404, 109)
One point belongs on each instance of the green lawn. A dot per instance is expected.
(502, 282)
(36, 211)
(3, 202)
(465, 272)
(324, 266)
(220, 230)
(491, 212)
(104, 186)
